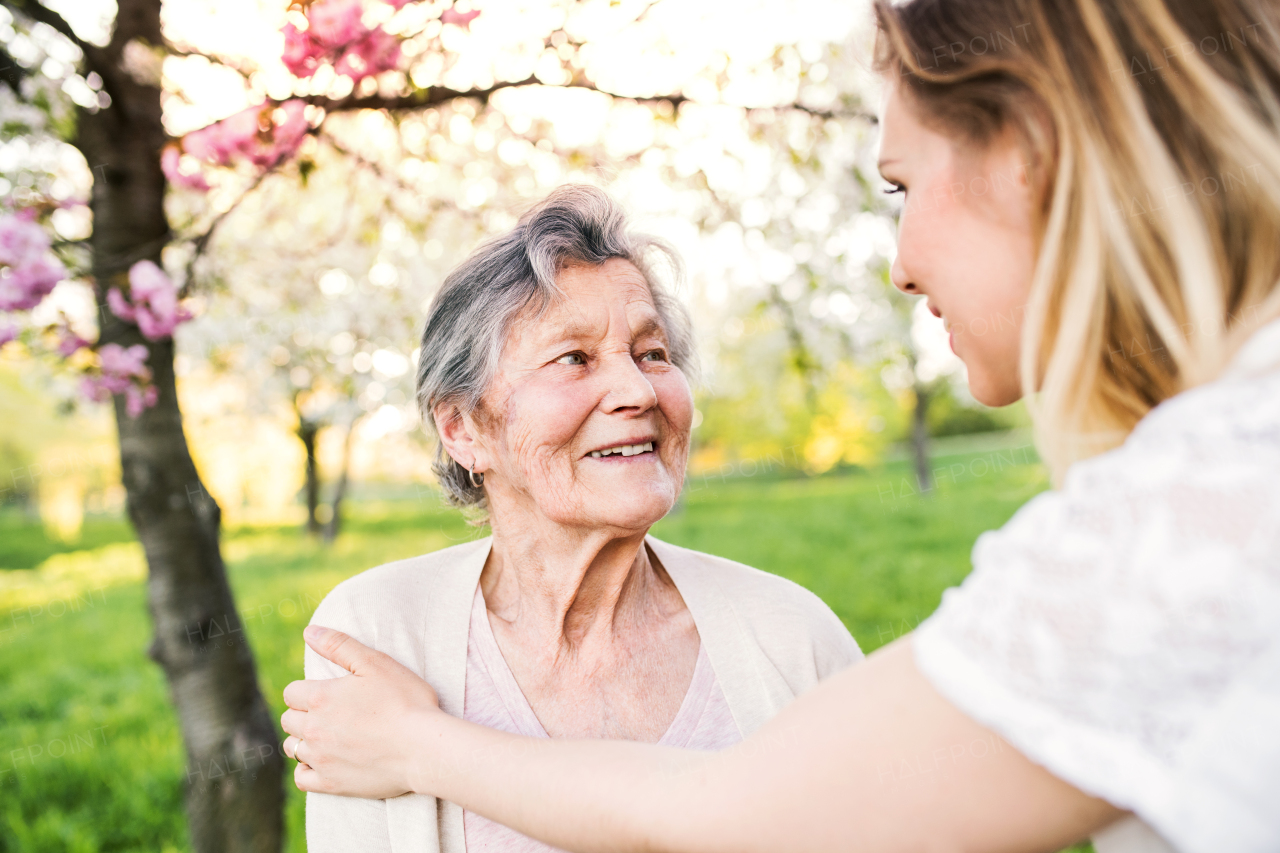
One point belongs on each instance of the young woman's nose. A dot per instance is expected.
(901, 280)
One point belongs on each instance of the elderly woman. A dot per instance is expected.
(556, 371)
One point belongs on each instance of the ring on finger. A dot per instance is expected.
(297, 752)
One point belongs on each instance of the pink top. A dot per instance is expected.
(493, 699)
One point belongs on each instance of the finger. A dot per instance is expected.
(308, 779)
(350, 654)
(302, 752)
(300, 695)
(290, 746)
(291, 721)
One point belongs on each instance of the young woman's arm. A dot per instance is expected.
(872, 759)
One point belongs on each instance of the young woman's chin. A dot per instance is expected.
(993, 390)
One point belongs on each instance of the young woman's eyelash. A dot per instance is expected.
(894, 189)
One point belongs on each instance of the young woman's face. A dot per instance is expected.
(965, 241)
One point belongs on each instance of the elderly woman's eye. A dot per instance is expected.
(654, 355)
(572, 358)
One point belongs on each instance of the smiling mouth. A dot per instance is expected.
(623, 450)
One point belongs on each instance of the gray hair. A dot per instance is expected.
(472, 315)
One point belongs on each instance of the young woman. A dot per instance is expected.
(1093, 205)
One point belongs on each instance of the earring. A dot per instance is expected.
(477, 480)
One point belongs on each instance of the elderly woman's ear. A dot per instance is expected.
(460, 437)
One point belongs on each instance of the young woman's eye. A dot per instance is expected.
(574, 358)
(894, 189)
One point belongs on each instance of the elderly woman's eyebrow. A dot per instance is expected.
(573, 330)
(567, 331)
(651, 326)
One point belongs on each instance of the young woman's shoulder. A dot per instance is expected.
(1122, 630)
(1236, 414)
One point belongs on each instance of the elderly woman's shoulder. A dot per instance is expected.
(738, 580)
(767, 604)
(402, 588)
(403, 607)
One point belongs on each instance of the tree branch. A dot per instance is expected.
(428, 97)
(244, 69)
(828, 114)
(374, 166)
(106, 264)
(201, 242)
(436, 95)
(12, 72)
(581, 82)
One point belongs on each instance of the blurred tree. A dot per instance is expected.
(316, 313)
(813, 240)
(119, 131)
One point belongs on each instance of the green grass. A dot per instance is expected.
(90, 754)
(23, 544)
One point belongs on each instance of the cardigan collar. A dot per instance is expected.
(750, 683)
(720, 628)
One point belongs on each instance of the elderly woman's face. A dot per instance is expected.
(588, 419)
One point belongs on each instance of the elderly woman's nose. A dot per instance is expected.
(628, 387)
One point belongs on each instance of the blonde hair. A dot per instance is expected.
(1152, 128)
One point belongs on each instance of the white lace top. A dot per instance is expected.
(1124, 631)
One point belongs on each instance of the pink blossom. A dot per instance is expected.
(154, 306)
(23, 287)
(120, 363)
(377, 52)
(21, 238)
(137, 398)
(122, 371)
(120, 306)
(171, 165)
(336, 33)
(27, 271)
(398, 4)
(94, 388)
(251, 135)
(462, 19)
(221, 141)
(290, 132)
(69, 342)
(302, 54)
(336, 23)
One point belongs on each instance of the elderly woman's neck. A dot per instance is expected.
(573, 584)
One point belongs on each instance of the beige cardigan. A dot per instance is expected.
(769, 640)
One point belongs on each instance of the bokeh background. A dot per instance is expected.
(834, 440)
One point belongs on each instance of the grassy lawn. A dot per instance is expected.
(90, 754)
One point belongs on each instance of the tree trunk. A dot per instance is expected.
(234, 782)
(334, 525)
(307, 431)
(920, 438)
